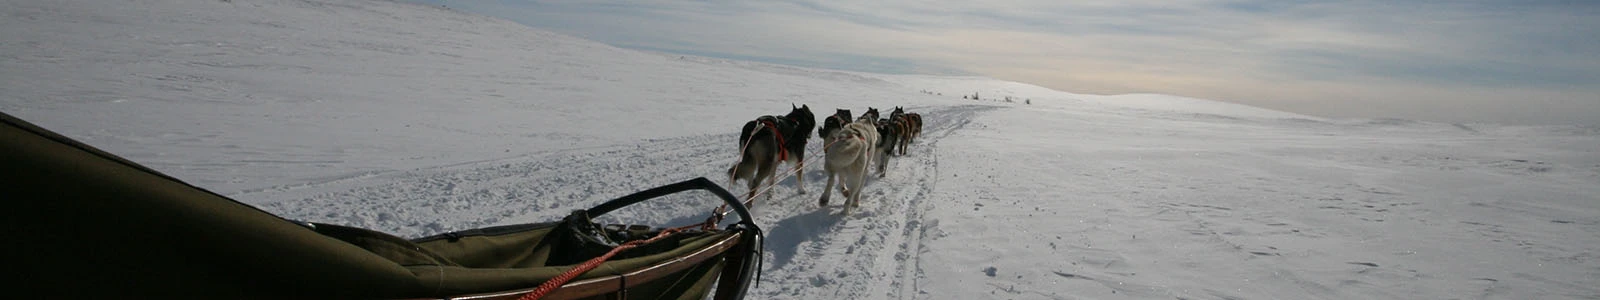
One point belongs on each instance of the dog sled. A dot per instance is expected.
(92, 224)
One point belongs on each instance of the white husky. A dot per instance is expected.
(849, 151)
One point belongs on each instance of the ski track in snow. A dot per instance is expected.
(816, 254)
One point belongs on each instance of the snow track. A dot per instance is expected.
(815, 254)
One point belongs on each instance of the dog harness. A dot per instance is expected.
(783, 152)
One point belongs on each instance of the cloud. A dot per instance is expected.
(1337, 58)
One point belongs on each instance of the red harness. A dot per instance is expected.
(783, 152)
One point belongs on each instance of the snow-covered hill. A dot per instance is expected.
(418, 120)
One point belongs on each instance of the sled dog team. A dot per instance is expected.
(850, 146)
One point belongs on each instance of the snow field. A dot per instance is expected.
(417, 120)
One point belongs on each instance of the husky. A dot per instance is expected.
(838, 119)
(871, 116)
(767, 141)
(848, 155)
(910, 127)
(890, 134)
(916, 125)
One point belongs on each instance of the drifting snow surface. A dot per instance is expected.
(418, 120)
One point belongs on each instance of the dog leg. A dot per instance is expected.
(880, 162)
(853, 180)
(768, 173)
(754, 180)
(849, 179)
(826, 191)
(772, 183)
(750, 197)
(856, 202)
(800, 175)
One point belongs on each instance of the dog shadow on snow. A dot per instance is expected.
(784, 239)
(785, 235)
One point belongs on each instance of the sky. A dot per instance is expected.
(1513, 62)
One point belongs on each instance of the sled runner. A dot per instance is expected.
(85, 223)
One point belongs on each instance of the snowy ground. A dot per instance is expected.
(418, 120)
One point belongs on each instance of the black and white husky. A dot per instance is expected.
(767, 141)
(890, 134)
(849, 152)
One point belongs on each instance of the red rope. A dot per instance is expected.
(556, 282)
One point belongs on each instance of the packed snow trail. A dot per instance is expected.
(817, 254)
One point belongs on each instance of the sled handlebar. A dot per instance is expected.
(700, 183)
